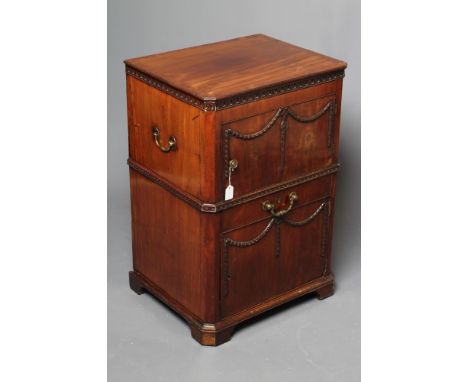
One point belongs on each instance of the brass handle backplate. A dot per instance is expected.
(172, 142)
(267, 206)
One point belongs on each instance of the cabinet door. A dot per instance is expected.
(268, 257)
(281, 145)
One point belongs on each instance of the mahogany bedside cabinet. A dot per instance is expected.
(233, 155)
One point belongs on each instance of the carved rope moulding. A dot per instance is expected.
(224, 205)
(241, 99)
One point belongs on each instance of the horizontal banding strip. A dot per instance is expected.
(224, 205)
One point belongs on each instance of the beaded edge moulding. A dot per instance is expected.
(225, 103)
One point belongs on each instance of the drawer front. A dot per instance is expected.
(253, 210)
(164, 135)
(280, 145)
(266, 257)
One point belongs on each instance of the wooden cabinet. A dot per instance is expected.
(260, 116)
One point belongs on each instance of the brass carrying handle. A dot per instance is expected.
(172, 142)
(267, 206)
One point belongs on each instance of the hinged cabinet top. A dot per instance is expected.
(226, 69)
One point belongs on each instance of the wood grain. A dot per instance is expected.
(184, 167)
(226, 68)
(281, 145)
(167, 240)
(252, 211)
(260, 262)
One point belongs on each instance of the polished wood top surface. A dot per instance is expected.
(227, 68)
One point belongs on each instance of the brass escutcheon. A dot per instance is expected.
(233, 164)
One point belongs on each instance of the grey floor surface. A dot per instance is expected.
(307, 340)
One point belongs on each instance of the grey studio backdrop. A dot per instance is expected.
(310, 340)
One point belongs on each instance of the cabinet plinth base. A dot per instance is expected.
(214, 334)
(135, 284)
(208, 336)
(326, 291)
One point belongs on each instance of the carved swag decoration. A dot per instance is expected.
(276, 222)
(282, 114)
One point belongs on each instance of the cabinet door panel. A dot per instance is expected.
(255, 143)
(309, 137)
(274, 255)
(279, 145)
(303, 241)
(249, 266)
